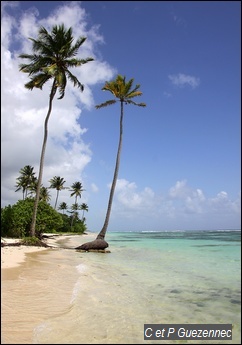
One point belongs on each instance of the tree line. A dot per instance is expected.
(16, 219)
(27, 182)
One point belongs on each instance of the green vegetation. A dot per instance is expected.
(16, 220)
(31, 241)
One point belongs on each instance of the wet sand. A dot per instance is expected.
(33, 278)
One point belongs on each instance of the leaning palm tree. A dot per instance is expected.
(53, 54)
(57, 183)
(124, 93)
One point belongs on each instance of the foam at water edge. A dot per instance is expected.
(81, 268)
(76, 288)
(38, 330)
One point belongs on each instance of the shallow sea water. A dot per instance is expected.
(62, 296)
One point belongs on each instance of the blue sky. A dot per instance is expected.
(180, 162)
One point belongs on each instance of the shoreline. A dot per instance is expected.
(14, 256)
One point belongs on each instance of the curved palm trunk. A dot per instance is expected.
(33, 223)
(102, 233)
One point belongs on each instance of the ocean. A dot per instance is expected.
(63, 296)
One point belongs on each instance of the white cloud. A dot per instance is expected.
(181, 80)
(180, 190)
(23, 112)
(167, 94)
(179, 206)
(127, 195)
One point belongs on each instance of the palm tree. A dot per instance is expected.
(57, 182)
(62, 206)
(44, 194)
(84, 208)
(53, 54)
(74, 207)
(25, 180)
(77, 190)
(124, 93)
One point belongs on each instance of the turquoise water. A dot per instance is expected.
(149, 277)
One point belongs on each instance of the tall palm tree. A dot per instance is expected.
(25, 180)
(84, 207)
(53, 54)
(62, 206)
(124, 93)
(57, 183)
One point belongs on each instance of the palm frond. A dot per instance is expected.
(128, 101)
(107, 103)
(61, 84)
(74, 49)
(77, 62)
(74, 80)
(37, 81)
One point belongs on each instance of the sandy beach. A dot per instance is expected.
(63, 296)
(14, 256)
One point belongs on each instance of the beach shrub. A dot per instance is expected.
(32, 241)
(7, 221)
(66, 226)
(17, 219)
(78, 225)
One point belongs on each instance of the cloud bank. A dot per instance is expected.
(24, 111)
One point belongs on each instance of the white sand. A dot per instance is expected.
(14, 256)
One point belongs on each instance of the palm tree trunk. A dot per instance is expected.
(102, 233)
(33, 223)
(73, 216)
(56, 198)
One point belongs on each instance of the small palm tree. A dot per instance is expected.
(25, 180)
(74, 207)
(53, 55)
(44, 194)
(124, 93)
(84, 208)
(77, 190)
(57, 183)
(63, 206)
